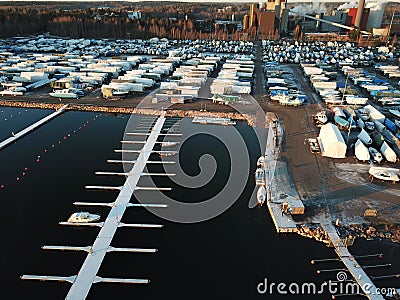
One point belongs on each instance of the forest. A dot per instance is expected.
(111, 19)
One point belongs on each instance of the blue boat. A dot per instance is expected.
(341, 123)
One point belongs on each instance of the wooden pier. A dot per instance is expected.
(32, 127)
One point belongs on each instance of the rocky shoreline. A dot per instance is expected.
(368, 231)
(133, 110)
(389, 232)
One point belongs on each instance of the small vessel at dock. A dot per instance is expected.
(260, 176)
(260, 161)
(261, 195)
(83, 217)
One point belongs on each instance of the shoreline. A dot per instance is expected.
(131, 110)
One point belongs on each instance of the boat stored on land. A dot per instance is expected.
(375, 155)
(64, 93)
(291, 101)
(395, 112)
(383, 173)
(321, 118)
(361, 151)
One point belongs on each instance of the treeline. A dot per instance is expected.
(174, 21)
(124, 28)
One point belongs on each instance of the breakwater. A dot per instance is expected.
(250, 119)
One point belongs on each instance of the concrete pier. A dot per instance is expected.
(32, 127)
(283, 222)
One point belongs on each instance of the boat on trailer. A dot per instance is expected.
(386, 174)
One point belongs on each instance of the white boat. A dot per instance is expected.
(260, 176)
(83, 217)
(395, 112)
(169, 144)
(375, 155)
(361, 151)
(64, 93)
(260, 161)
(388, 174)
(356, 100)
(388, 153)
(321, 117)
(288, 101)
(280, 97)
(261, 195)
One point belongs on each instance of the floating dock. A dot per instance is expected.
(351, 263)
(31, 127)
(87, 275)
(213, 121)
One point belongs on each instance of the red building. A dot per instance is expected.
(351, 17)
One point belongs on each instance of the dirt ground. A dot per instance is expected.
(334, 188)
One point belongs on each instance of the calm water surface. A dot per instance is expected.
(222, 258)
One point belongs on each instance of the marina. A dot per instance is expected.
(87, 275)
(308, 98)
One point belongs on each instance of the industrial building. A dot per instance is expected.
(266, 18)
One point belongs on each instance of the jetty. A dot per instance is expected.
(276, 186)
(32, 127)
(87, 275)
(350, 262)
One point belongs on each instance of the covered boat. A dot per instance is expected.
(388, 153)
(364, 137)
(375, 155)
(361, 151)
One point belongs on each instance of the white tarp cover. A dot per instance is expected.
(361, 151)
(331, 141)
(388, 153)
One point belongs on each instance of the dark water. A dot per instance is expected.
(222, 258)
